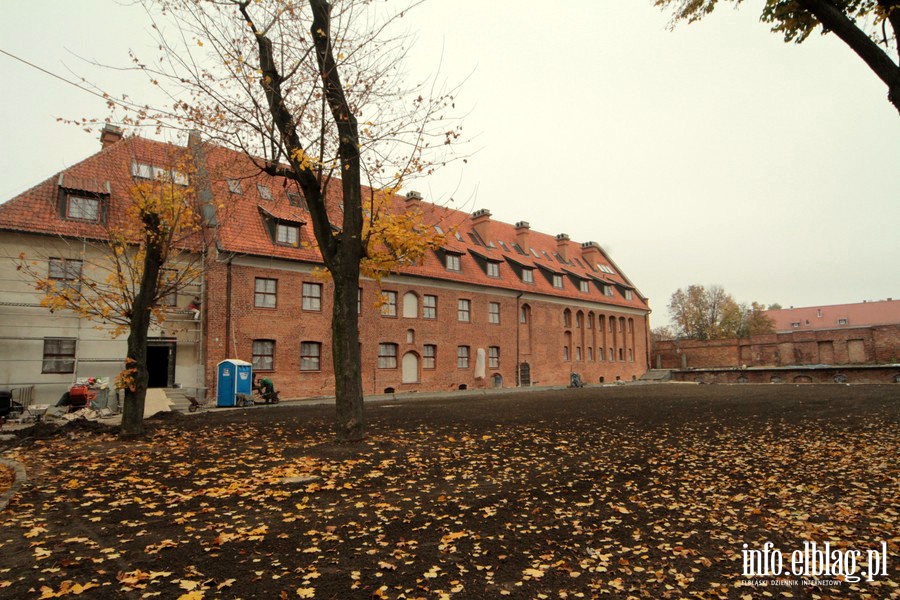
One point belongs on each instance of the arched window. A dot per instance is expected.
(410, 305)
(567, 318)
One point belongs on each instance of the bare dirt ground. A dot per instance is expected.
(636, 491)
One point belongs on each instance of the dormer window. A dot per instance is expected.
(558, 281)
(629, 295)
(287, 235)
(527, 275)
(264, 192)
(492, 269)
(451, 262)
(81, 208)
(607, 290)
(585, 286)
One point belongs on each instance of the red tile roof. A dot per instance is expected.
(242, 224)
(837, 316)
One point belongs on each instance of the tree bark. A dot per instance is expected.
(343, 251)
(833, 19)
(136, 395)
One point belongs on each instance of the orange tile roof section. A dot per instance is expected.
(242, 225)
(860, 314)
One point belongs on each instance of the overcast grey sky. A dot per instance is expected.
(714, 154)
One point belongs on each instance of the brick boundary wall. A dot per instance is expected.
(872, 345)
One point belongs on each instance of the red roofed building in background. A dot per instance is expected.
(836, 316)
(498, 305)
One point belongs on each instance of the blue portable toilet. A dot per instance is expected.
(233, 377)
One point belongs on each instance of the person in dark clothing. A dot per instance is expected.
(267, 389)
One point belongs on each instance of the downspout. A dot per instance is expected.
(228, 305)
(518, 329)
(647, 339)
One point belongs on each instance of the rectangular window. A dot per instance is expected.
(578, 353)
(167, 279)
(493, 269)
(585, 287)
(312, 296)
(612, 355)
(528, 275)
(66, 274)
(288, 235)
(451, 261)
(462, 357)
(628, 295)
(141, 170)
(295, 199)
(566, 353)
(266, 293)
(310, 356)
(607, 290)
(387, 356)
(494, 312)
(263, 355)
(590, 321)
(429, 356)
(264, 192)
(840, 322)
(590, 354)
(463, 310)
(79, 208)
(494, 357)
(557, 281)
(234, 186)
(429, 307)
(59, 355)
(388, 304)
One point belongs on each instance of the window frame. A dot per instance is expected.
(463, 355)
(257, 293)
(389, 303)
(387, 355)
(311, 301)
(95, 202)
(492, 269)
(289, 231)
(493, 357)
(429, 356)
(494, 313)
(558, 281)
(453, 262)
(257, 355)
(307, 358)
(464, 310)
(70, 278)
(429, 306)
(527, 275)
(59, 362)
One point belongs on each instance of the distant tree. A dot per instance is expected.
(774, 306)
(144, 258)
(868, 27)
(661, 334)
(702, 313)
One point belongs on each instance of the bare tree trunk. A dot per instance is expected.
(349, 424)
(135, 396)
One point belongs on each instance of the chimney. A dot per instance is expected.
(110, 135)
(590, 252)
(413, 198)
(562, 245)
(481, 223)
(522, 228)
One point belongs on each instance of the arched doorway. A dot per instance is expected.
(410, 368)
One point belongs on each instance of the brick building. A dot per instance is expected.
(497, 305)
